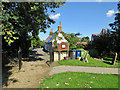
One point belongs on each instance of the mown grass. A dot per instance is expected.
(80, 80)
(91, 63)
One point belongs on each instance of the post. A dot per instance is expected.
(68, 53)
(51, 55)
(59, 52)
(19, 57)
(114, 59)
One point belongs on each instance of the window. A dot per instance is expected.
(63, 46)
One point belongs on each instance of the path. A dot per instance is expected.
(60, 69)
(32, 73)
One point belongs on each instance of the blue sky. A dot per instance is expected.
(86, 18)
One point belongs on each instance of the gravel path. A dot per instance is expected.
(32, 73)
(60, 69)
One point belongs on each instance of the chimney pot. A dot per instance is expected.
(60, 27)
(51, 31)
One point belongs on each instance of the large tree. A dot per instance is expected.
(116, 30)
(20, 19)
(73, 39)
(116, 34)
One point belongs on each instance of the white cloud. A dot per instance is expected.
(118, 12)
(99, 0)
(110, 13)
(55, 16)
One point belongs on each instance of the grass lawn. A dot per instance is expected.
(80, 80)
(91, 62)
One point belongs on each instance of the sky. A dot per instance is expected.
(86, 18)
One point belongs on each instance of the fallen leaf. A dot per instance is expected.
(47, 87)
(57, 84)
(66, 83)
(91, 81)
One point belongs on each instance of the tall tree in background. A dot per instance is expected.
(116, 33)
(116, 30)
(73, 39)
(21, 18)
(85, 39)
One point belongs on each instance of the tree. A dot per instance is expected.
(80, 46)
(103, 45)
(85, 39)
(35, 41)
(21, 18)
(116, 30)
(116, 33)
(42, 43)
(73, 39)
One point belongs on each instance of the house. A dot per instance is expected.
(96, 36)
(58, 42)
(59, 38)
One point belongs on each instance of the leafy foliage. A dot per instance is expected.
(42, 43)
(73, 39)
(80, 46)
(116, 30)
(35, 41)
(22, 18)
(85, 39)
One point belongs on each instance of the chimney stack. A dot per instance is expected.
(51, 31)
(60, 27)
(103, 31)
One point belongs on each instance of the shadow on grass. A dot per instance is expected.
(107, 59)
(110, 63)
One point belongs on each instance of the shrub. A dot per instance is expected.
(80, 46)
(94, 53)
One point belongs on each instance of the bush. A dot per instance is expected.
(94, 53)
(80, 46)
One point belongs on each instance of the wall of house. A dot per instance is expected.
(60, 46)
(61, 40)
(62, 55)
(56, 57)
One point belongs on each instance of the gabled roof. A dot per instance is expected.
(48, 38)
(52, 37)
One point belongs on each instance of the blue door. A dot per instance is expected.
(78, 53)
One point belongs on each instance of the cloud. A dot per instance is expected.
(110, 13)
(99, 0)
(55, 16)
(118, 12)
